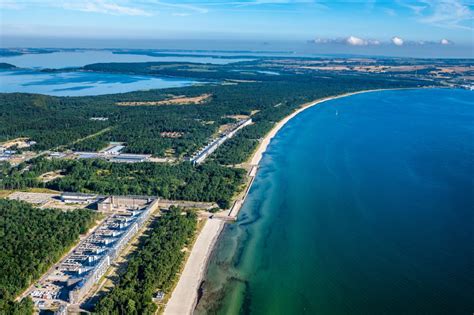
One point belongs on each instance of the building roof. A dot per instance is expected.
(76, 195)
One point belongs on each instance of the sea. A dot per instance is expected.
(361, 205)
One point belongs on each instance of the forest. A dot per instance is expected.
(154, 266)
(208, 182)
(45, 119)
(64, 122)
(31, 240)
(60, 123)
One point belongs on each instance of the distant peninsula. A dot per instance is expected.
(4, 65)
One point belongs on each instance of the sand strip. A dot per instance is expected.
(184, 297)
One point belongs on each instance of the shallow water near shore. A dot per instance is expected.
(362, 205)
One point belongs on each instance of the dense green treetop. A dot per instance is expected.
(31, 240)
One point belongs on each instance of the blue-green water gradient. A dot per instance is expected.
(362, 205)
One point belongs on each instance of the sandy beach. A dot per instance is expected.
(184, 297)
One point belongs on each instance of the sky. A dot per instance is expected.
(323, 25)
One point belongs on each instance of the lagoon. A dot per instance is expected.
(80, 58)
(362, 205)
(81, 83)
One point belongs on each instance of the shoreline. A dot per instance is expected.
(186, 298)
(262, 147)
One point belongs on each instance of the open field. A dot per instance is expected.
(18, 142)
(175, 100)
(5, 193)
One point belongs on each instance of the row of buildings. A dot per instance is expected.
(75, 276)
(212, 146)
(6, 154)
(119, 158)
(114, 154)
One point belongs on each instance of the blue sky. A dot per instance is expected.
(353, 23)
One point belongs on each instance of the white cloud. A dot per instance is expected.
(390, 12)
(397, 41)
(450, 14)
(351, 40)
(103, 6)
(356, 41)
(259, 2)
(445, 41)
(181, 14)
(322, 41)
(453, 14)
(417, 9)
(248, 3)
(182, 6)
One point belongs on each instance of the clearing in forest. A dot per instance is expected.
(174, 100)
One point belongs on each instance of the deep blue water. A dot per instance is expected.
(362, 205)
(81, 83)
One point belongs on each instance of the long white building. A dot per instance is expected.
(202, 154)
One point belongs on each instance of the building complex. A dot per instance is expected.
(73, 278)
(212, 146)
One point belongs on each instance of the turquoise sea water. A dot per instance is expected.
(362, 205)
